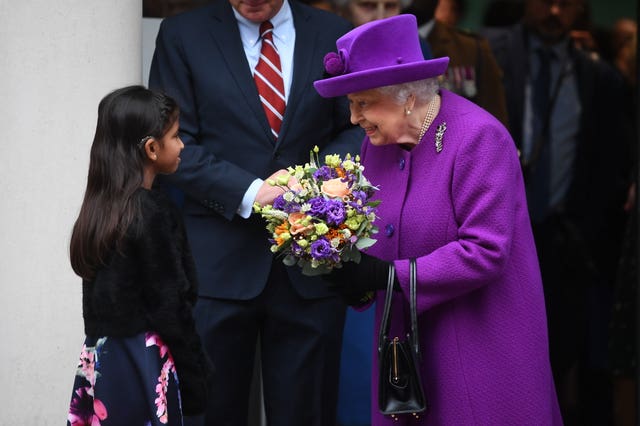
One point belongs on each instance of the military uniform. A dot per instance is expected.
(473, 71)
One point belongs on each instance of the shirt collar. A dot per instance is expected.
(560, 49)
(250, 31)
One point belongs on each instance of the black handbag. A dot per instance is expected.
(400, 388)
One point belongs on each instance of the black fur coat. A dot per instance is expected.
(149, 284)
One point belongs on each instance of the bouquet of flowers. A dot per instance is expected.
(323, 219)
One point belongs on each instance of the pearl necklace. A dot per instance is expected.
(434, 107)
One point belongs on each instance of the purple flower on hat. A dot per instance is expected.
(336, 63)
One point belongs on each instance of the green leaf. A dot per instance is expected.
(310, 271)
(289, 260)
(351, 255)
(364, 243)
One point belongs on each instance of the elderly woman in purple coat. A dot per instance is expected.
(452, 198)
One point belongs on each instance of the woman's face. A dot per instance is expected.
(383, 119)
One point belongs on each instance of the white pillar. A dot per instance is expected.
(57, 60)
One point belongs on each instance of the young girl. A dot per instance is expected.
(142, 362)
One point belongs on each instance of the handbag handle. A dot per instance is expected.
(385, 324)
(413, 270)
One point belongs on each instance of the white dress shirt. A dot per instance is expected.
(284, 38)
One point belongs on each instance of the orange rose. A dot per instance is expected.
(296, 227)
(335, 188)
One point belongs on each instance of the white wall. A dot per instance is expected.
(57, 60)
(150, 27)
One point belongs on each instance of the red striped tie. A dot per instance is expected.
(268, 78)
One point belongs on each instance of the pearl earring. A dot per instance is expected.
(407, 111)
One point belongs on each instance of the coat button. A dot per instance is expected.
(401, 164)
(388, 230)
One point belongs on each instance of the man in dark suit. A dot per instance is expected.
(473, 71)
(205, 59)
(566, 115)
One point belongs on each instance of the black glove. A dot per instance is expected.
(356, 281)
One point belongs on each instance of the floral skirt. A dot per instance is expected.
(125, 381)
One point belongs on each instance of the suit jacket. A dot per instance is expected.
(199, 60)
(473, 71)
(600, 178)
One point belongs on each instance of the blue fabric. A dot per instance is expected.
(539, 180)
(125, 380)
(426, 50)
(354, 393)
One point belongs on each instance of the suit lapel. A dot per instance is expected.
(303, 57)
(225, 33)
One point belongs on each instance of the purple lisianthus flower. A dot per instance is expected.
(369, 210)
(321, 249)
(292, 207)
(318, 206)
(325, 173)
(296, 250)
(335, 212)
(349, 178)
(279, 203)
(360, 195)
(355, 206)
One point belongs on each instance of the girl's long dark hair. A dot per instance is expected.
(125, 117)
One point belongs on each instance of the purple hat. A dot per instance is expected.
(376, 54)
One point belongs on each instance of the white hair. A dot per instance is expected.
(423, 90)
(343, 3)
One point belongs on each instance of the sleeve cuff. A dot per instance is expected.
(246, 206)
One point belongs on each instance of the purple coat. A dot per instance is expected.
(462, 213)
